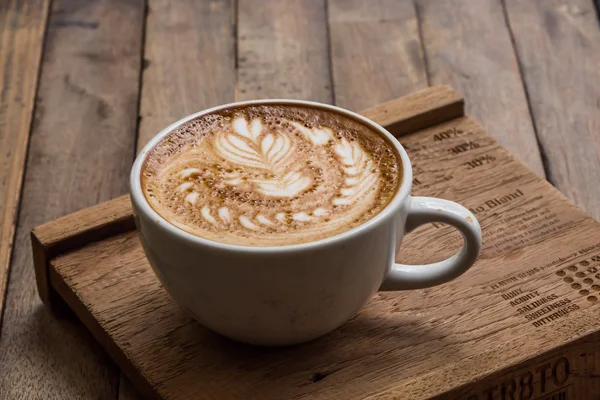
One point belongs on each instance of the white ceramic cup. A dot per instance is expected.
(284, 295)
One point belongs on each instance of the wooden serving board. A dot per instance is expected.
(521, 324)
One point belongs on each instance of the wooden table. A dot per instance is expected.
(86, 83)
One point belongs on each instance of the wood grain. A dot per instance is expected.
(189, 65)
(189, 61)
(558, 44)
(283, 50)
(80, 153)
(468, 45)
(499, 326)
(22, 26)
(420, 110)
(75, 230)
(376, 51)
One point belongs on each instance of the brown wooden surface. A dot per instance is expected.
(189, 61)
(94, 223)
(81, 147)
(564, 93)
(22, 26)
(465, 339)
(314, 44)
(376, 52)
(282, 50)
(468, 45)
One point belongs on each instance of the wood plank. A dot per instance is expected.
(22, 26)
(189, 65)
(283, 50)
(189, 61)
(80, 153)
(558, 44)
(77, 229)
(376, 51)
(468, 45)
(416, 111)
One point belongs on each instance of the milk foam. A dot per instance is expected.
(270, 175)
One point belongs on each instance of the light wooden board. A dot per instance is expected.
(189, 61)
(22, 26)
(468, 45)
(500, 327)
(81, 149)
(282, 50)
(376, 52)
(558, 44)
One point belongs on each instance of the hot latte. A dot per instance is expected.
(270, 175)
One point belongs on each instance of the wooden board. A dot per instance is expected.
(189, 61)
(282, 50)
(564, 95)
(468, 45)
(80, 152)
(22, 26)
(522, 322)
(375, 51)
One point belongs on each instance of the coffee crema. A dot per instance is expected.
(270, 175)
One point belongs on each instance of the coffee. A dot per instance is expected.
(271, 175)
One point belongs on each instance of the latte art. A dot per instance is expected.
(270, 175)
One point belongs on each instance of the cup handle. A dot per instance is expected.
(422, 210)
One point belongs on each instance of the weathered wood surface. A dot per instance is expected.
(376, 52)
(498, 328)
(558, 44)
(325, 50)
(22, 26)
(468, 46)
(283, 51)
(189, 61)
(81, 148)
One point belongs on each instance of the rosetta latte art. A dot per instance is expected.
(262, 179)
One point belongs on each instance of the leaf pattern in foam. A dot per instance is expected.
(276, 150)
(233, 148)
(287, 185)
(244, 146)
(361, 175)
(318, 136)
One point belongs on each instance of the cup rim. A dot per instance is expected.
(142, 206)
